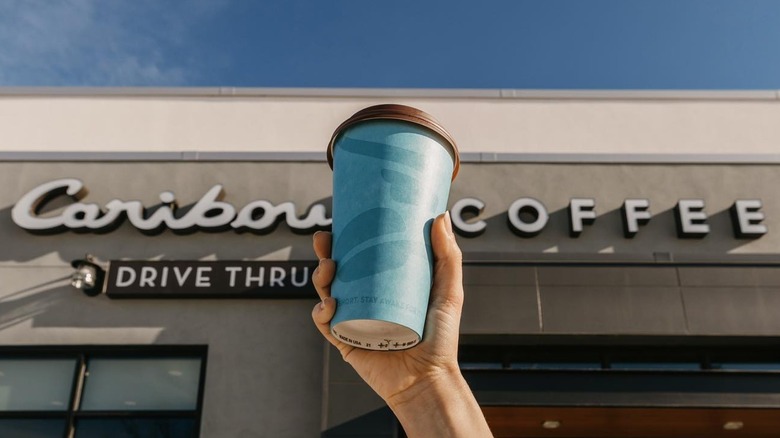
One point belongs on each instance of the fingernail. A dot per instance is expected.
(315, 233)
(322, 305)
(448, 222)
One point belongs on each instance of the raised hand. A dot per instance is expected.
(424, 377)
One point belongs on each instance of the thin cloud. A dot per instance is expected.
(98, 43)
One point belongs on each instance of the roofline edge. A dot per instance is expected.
(520, 94)
(466, 157)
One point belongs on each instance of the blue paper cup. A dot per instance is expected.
(392, 170)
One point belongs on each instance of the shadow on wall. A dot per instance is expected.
(31, 302)
(125, 242)
(58, 306)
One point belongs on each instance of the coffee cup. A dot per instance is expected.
(392, 170)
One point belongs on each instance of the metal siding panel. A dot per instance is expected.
(500, 309)
(722, 276)
(506, 275)
(612, 310)
(606, 276)
(732, 310)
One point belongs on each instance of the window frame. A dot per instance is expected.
(744, 388)
(81, 354)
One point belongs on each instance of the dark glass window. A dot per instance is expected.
(556, 366)
(116, 392)
(33, 427)
(743, 366)
(141, 384)
(35, 384)
(481, 365)
(135, 428)
(656, 366)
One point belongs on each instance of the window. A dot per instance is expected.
(586, 371)
(95, 392)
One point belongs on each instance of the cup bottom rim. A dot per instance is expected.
(372, 334)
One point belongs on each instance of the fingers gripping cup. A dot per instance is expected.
(392, 170)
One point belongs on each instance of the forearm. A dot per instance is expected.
(442, 406)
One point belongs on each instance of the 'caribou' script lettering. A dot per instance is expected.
(209, 213)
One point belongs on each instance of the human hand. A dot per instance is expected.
(422, 385)
(398, 375)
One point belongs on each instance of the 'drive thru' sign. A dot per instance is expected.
(217, 279)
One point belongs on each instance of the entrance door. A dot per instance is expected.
(598, 422)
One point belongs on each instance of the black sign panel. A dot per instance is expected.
(218, 279)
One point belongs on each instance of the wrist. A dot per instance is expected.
(441, 405)
(443, 381)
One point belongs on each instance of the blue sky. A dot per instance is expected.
(539, 44)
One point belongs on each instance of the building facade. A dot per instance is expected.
(621, 260)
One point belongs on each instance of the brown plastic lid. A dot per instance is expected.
(397, 112)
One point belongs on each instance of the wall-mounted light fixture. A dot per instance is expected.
(733, 425)
(88, 277)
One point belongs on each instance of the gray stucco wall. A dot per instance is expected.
(266, 362)
(264, 373)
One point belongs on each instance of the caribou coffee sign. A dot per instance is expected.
(526, 217)
(208, 213)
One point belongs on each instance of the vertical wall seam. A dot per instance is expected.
(538, 299)
(325, 386)
(682, 300)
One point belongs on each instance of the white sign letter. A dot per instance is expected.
(470, 205)
(181, 277)
(25, 212)
(304, 277)
(527, 207)
(277, 276)
(201, 279)
(691, 218)
(747, 218)
(258, 278)
(123, 271)
(580, 213)
(148, 274)
(636, 212)
(233, 270)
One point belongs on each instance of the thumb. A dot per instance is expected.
(448, 266)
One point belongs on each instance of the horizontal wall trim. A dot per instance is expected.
(624, 261)
(468, 157)
(487, 93)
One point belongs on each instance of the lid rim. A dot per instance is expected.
(397, 112)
